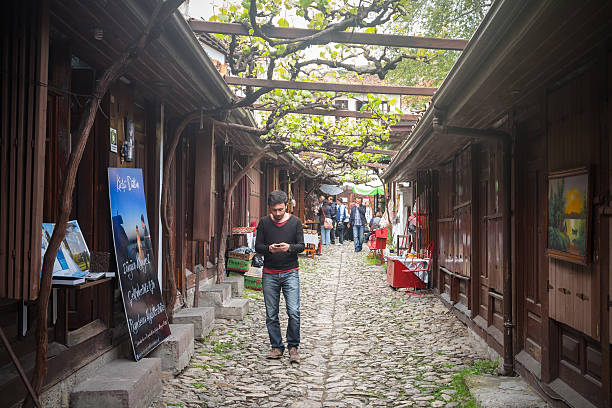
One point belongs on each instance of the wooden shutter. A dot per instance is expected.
(203, 198)
(23, 93)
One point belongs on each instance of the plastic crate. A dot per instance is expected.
(239, 255)
(238, 264)
(252, 282)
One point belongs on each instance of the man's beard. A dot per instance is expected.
(278, 218)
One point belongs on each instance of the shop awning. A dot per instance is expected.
(365, 189)
(331, 189)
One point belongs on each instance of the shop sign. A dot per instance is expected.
(144, 309)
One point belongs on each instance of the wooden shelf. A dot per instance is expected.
(85, 285)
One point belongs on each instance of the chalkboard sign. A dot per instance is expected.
(144, 309)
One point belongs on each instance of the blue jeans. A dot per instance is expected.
(325, 236)
(358, 237)
(289, 283)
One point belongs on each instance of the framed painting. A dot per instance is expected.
(570, 198)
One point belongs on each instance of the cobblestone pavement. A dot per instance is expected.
(363, 344)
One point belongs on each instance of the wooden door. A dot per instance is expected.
(532, 258)
(483, 284)
(254, 195)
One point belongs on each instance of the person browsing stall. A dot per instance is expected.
(342, 218)
(280, 238)
(357, 220)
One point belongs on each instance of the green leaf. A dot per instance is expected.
(282, 22)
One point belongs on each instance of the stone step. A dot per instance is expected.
(215, 295)
(120, 383)
(202, 318)
(233, 309)
(177, 349)
(237, 283)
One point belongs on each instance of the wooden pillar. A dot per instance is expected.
(508, 366)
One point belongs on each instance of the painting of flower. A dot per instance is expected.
(569, 215)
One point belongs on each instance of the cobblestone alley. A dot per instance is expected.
(363, 344)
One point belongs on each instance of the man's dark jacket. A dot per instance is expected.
(333, 207)
(361, 213)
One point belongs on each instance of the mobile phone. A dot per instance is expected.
(276, 245)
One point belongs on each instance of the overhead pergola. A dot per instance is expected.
(331, 87)
(320, 156)
(343, 113)
(345, 37)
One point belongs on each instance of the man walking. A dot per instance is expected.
(357, 220)
(280, 238)
(341, 217)
(333, 209)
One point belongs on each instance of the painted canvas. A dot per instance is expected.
(569, 204)
(144, 309)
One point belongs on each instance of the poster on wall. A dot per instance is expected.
(113, 140)
(144, 309)
(569, 215)
(73, 258)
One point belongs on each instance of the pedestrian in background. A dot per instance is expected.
(280, 238)
(333, 209)
(341, 219)
(325, 220)
(374, 225)
(357, 220)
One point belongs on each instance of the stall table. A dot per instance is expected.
(312, 242)
(408, 272)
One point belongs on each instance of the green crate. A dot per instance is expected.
(238, 264)
(252, 282)
(235, 273)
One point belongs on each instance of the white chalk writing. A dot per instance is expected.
(147, 318)
(127, 183)
(130, 266)
(136, 293)
(151, 333)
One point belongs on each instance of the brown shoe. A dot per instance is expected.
(274, 354)
(294, 356)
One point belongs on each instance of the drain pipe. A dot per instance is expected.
(508, 367)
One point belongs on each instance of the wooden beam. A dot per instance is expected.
(376, 165)
(490, 134)
(344, 37)
(334, 112)
(332, 87)
(311, 154)
(366, 150)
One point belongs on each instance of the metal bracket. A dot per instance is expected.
(565, 291)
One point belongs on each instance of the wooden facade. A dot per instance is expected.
(491, 150)
(24, 60)
(50, 62)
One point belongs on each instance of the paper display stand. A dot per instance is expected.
(144, 309)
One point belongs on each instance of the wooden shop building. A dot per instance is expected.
(513, 165)
(52, 53)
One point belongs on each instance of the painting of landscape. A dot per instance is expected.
(569, 215)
